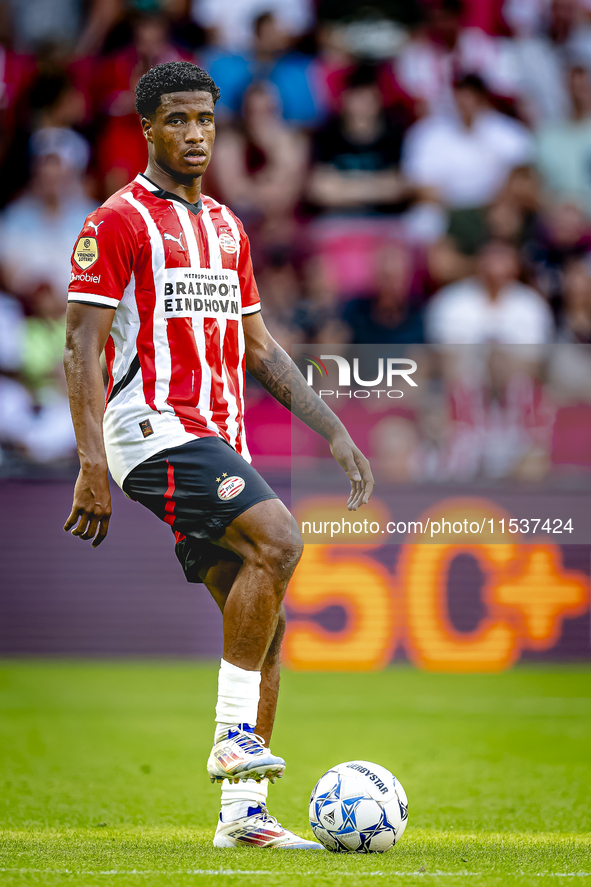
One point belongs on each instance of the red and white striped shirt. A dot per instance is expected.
(181, 279)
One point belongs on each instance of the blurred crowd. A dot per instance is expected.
(414, 172)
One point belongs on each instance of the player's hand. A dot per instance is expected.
(357, 469)
(91, 508)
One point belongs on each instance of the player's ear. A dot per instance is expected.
(147, 128)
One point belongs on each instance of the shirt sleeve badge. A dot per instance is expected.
(86, 252)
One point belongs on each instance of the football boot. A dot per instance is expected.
(242, 755)
(259, 829)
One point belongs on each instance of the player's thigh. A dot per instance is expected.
(266, 530)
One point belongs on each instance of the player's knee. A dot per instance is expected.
(282, 549)
(282, 556)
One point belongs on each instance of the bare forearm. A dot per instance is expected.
(87, 401)
(333, 188)
(276, 372)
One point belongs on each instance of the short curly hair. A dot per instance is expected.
(171, 77)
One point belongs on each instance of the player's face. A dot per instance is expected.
(182, 133)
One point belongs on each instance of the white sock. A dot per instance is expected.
(238, 797)
(238, 698)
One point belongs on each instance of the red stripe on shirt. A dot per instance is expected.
(185, 367)
(213, 352)
(146, 303)
(169, 507)
(164, 217)
(186, 376)
(231, 360)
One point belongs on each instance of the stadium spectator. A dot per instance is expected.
(502, 220)
(512, 217)
(300, 301)
(38, 23)
(58, 108)
(564, 148)
(441, 49)
(492, 306)
(260, 164)
(279, 288)
(38, 229)
(121, 146)
(292, 73)
(357, 153)
(12, 324)
(500, 418)
(34, 413)
(316, 315)
(563, 234)
(574, 323)
(16, 75)
(466, 157)
(388, 315)
(549, 35)
(335, 61)
(232, 21)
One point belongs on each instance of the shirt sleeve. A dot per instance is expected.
(251, 301)
(102, 260)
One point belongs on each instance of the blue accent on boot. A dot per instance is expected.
(252, 811)
(245, 728)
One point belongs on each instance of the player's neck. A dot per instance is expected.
(188, 189)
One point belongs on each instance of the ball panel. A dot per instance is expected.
(351, 786)
(350, 841)
(368, 814)
(392, 812)
(381, 842)
(327, 783)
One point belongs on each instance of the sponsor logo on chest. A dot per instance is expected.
(202, 292)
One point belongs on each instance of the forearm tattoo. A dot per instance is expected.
(280, 376)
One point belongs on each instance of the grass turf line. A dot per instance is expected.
(102, 775)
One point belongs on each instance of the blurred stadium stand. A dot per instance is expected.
(361, 232)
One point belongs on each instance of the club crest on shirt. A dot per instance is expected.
(227, 243)
(231, 487)
(86, 252)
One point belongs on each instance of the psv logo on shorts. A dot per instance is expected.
(227, 243)
(86, 252)
(231, 487)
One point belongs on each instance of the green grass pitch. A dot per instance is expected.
(102, 775)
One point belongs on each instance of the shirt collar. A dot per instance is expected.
(147, 183)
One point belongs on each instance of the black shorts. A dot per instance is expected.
(198, 489)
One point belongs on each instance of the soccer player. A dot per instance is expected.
(162, 281)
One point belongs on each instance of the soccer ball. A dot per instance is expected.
(358, 807)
